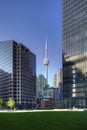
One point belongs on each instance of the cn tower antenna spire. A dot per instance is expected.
(46, 49)
(46, 61)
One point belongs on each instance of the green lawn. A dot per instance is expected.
(43, 121)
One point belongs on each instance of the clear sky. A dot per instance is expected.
(29, 22)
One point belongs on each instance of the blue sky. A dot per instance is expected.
(29, 22)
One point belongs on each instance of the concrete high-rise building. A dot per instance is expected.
(58, 78)
(17, 73)
(55, 80)
(46, 62)
(75, 51)
(58, 84)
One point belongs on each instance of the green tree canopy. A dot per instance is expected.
(63, 103)
(10, 102)
(1, 101)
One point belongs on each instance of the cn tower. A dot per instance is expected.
(46, 61)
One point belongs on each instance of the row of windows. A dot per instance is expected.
(4, 48)
(72, 6)
(71, 15)
(67, 3)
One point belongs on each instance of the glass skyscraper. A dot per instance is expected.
(17, 73)
(75, 51)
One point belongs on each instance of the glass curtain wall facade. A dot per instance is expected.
(17, 73)
(7, 73)
(41, 84)
(75, 51)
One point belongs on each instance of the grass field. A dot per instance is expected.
(66, 120)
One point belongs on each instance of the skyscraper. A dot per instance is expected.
(55, 80)
(75, 50)
(41, 83)
(58, 78)
(46, 62)
(17, 73)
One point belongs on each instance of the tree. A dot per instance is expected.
(1, 102)
(63, 103)
(10, 102)
(4, 105)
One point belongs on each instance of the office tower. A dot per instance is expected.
(57, 78)
(58, 84)
(41, 83)
(75, 51)
(17, 73)
(49, 92)
(46, 62)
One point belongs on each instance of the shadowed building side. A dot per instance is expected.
(17, 73)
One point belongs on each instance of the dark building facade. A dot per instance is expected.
(17, 73)
(75, 51)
